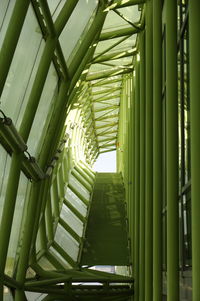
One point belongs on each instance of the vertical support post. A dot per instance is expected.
(172, 152)
(132, 158)
(11, 38)
(142, 168)
(8, 213)
(137, 181)
(157, 150)
(149, 154)
(194, 23)
(34, 201)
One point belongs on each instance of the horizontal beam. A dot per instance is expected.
(107, 145)
(115, 56)
(128, 31)
(107, 139)
(105, 98)
(108, 150)
(109, 73)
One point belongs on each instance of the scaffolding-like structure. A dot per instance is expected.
(80, 78)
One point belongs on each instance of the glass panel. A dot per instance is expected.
(15, 232)
(72, 220)
(73, 29)
(44, 112)
(6, 8)
(22, 70)
(113, 22)
(79, 187)
(35, 296)
(67, 242)
(75, 201)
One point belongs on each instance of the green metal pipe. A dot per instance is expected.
(47, 16)
(37, 88)
(56, 198)
(89, 38)
(108, 73)
(28, 232)
(142, 246)
(137, 182)
(61, 101)
(149, 155)
(20, 295)
(82, 181)
(83, 174)
(79, 195)
(11, 38)
(8, 212)
(43, 234)
(118, 33)
(110, 47)
(172, 152)
(10, 135)
(132, 160)
(115, 56)
(49, 219)
(64, 16)
(194, 22)
(157, 150)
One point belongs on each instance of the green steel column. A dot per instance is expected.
(35, 198)
(87, 41)
(49, 143)
(64, 15)
(137, 182)
(194, 23)
(39, 213)
(157, 150)
(8, 213)
(11, 38)
(142, 168)
(132, 125)
(172, 152)
(149, 155)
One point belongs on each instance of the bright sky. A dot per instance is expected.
(106, 162)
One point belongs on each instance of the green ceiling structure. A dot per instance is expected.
(79, 79)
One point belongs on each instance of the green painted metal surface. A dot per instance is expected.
(106, 236)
